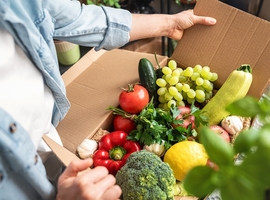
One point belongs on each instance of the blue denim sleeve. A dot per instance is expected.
(89, 25)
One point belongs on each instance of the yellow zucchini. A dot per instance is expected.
(235, 87)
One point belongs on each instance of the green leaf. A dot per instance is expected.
(174, 112)
(198, 181)
(246, 140)
(264, 105)
(257, 165)
(219, 151)
(246, 107)
(241, 187)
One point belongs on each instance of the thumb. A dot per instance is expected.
(77, 166)
(204, 20)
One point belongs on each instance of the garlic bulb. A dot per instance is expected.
(232, 124)
(87, 148)
(156, 148)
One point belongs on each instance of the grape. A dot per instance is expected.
(190, 100)
(206, 83)
(188, 72)
(194, 76)
(180, 103)
(168, 96)
(178, 96)
(173, 80)
(177, 72)
(191, 93)
(172, 64)
(179, 86)
(199, 81)
(197, 68)
(214, 77)
(182, 79)
(186, 87)
(210, 87)
(161, 99)
(200, 94)
(166, 70)
(200, 100)
(161, 91)
(171, 102)
(184, 94)
(173, 90)
(208, 95)
(208, 76)
(199, 87)
(205, 71)
(167, 77)
(161, 82)
(165, 106)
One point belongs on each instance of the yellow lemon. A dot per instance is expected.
(185, 155)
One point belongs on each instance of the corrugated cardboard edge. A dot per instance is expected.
(81, 65)
(64, 155)
(237, 38)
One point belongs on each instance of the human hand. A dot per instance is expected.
(185, 20)
(79, 182)
(172, 26)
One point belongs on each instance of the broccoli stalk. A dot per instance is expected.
(145, 176)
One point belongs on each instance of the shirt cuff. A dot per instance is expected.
(119, 25)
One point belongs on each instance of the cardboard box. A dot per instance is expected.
(95, 81)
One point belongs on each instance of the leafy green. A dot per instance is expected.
(155, 125)
(111, 3)
(248, 177)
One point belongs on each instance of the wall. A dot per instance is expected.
(265, 10)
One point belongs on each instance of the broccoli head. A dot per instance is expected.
(145, 176)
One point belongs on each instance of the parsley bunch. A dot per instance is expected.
(155, 125)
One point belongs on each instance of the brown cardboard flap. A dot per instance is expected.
(62, 153)
(237, 38)
(93, 91)
(81, 65)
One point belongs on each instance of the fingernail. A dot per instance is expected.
(212, 20)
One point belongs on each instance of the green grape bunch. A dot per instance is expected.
(179, 87)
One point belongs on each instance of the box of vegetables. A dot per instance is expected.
(155, 116)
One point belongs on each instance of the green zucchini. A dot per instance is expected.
(234, 88)
(148, 77)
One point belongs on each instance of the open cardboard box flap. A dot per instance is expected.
(237, 38)
(95, 81)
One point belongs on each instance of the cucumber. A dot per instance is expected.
(234, 88)
(148, 77)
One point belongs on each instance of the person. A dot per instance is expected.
(32, 93)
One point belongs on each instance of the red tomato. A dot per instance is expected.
(123, 124)
(134, 99)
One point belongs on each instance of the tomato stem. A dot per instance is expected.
(121, 112)
(130, 88)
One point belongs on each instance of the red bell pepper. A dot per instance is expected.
(113, 151)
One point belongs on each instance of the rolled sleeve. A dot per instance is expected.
(94, 26)
(119, 25)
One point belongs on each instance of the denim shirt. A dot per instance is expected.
(34, 25)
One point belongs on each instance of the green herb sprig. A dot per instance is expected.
(155, 125)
